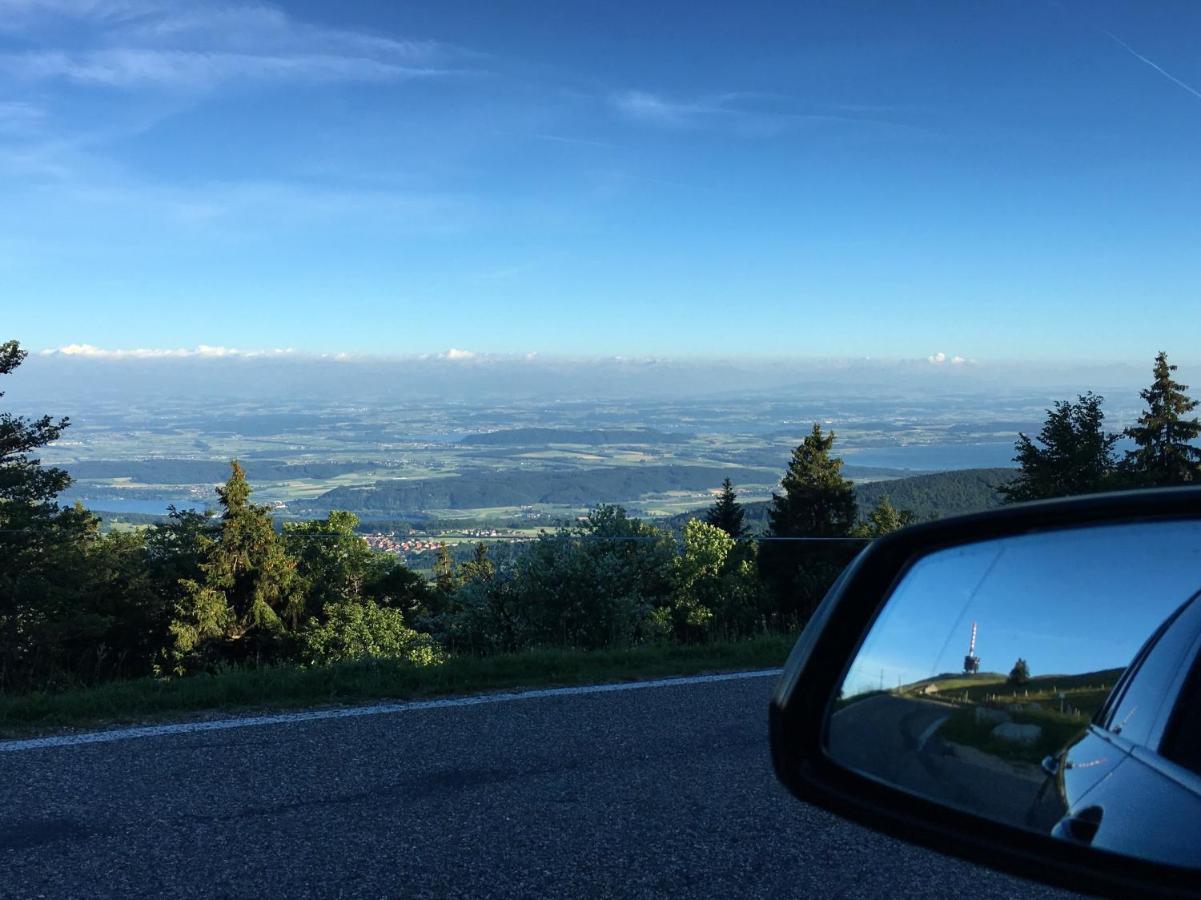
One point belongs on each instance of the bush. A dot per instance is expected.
(355, 631)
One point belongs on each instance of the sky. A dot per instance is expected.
(1067, 602)
(941, 182)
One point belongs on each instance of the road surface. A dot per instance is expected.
(650, 792)
(897, 739)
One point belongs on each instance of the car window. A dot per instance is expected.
(1140, 713)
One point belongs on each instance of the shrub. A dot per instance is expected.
(354, 630)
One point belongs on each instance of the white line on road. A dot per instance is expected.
(929, 733)
(354, 712)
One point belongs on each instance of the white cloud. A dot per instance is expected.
(165, 45)
(454, 354)
(202, 351)
(941, 359)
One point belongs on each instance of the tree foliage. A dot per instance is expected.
(817, 502)
(1020, 673)
(1164, 452)
(1073, 454)
(249, 591)
(726, 513)
(882, 519)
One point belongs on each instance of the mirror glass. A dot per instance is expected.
(1045, 681)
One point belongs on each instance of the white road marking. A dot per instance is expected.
(929, 733)
(354, 712)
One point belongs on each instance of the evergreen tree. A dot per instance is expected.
(1073, 454)
(249, 592)
(43, 546)
(479, 568)
(1020, 673)
(726, 513)
(445, 577)
(883, 519)
(817, 502)
(1163, 453)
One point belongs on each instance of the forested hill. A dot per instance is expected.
(941, 494)
(484, 490)
(523, 437)
(934, 496)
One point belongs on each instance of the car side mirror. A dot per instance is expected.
(1020, 688)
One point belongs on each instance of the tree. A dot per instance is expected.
(726, 513)
(479, 568)
(1163, 454)
(332, 559)
(591, 587)
(359, 631)
(445, 578)
(43, 546)
(1073, 454)
(1020, 673)
(716, 588)
(884, 518)
(249, 593)
(817, 502)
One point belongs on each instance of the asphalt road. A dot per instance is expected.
(652, 792)
(897, 739)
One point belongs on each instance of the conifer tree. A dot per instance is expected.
(479, 568)
(884, 518)
(249, 591)
(41, 543)
(817, 502)
(1073, 454)
(1164, 453)
(726, 512)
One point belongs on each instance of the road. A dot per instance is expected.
(650, 792)
(897, 739)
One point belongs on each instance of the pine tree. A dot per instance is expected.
(1163, 454)
(249, 592)
(479, 568)
(445, 579)
(818, 502)
(1075, 457)
(1020, 673)
(883, 519)
(42, 545)
(726, 512)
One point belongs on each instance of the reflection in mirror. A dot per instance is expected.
(986, 684)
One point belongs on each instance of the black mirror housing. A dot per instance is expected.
(813, 675)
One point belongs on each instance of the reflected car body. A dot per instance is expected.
(1131, 783)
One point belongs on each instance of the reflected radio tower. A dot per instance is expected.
(971, 662)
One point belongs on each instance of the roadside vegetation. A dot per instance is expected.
(231, 610)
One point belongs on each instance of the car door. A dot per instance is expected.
(1136, 776)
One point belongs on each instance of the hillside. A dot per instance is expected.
(485, 490)
(941, 494)
(933, 496)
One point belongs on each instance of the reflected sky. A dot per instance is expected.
(1070, 601)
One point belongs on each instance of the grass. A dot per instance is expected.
(291, 687)
(1057, 732)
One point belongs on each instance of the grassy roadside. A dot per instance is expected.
(290, 687)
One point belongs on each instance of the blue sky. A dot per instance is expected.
(989, 180)
(1067, 602)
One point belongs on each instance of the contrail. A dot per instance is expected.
(1158, 68)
